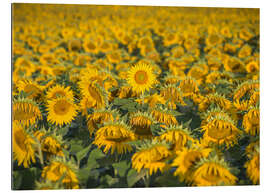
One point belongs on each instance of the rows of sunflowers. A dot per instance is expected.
(120, 96)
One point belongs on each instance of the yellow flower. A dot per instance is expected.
(245, 51)
(244, 88)
(176, 135)
(164, 115)
(141, 123)
(90, 46)
(23, 146)
(99, 117)
(217, 100)
(152, 100)
(151, 155)
(186, 159)
(172, 94)
(59, 169)
(253, 168)
(251, 121)
(188, 86)
(233, 64)
(219, 130)
(141, 77)
(61, 111)
(114, 135)
(59, 91)
(213, 172)
(25, 111)
(32, 89)
(253, 67)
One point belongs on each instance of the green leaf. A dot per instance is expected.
(110, 180)
(93, 156)
(134, 177)
(121, 167)
(81, 154)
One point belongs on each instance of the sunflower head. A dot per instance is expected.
(213, 171)
(219, 130)
(141, 77)
(164, 115)
(23, 146)
(253, 166)
(25, 111)
(186, 159)
(178, 136)
(61, 110)
(113, 136)
(251, 121)
(141, 122)
(151, 155)
(59, 91)
(60, 169)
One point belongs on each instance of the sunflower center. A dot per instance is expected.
(19, 114)
(141, 77)
(61, 107)
(219, 133)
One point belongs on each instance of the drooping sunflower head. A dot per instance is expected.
(96, 95)
(100, 116)
(51, 144)
(178, 136)
(245, 88)
(216, 100)
(61, 110)
(253, 166)
(213, 171)
(141, 77)
(151, 155)
(59, 91)
(251, 121)
(172, 94)
(151, 100)
(141, 122)
(164, 115)
(113, 136)
(23, 146)
(59, 169)
(186, 159)
(188, 86)
(25, 111)
(219, 130)
(31, 88)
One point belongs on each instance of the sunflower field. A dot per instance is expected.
(129, 96)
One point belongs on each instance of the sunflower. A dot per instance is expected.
(188, 86)
(59, 169)
(253, 167)
(152, 100)
(253, 67)
(59, 91)
(178, 136)
(114, 136)
(51, 144)
(61, 111)
(23, 146)
(251, 121)
(100, 116)
(234, 64)
(172, 95)
(217, 100)
(141, 123)
(246, 87)
(163, 115)
(90, 46)
(186, 159)
(219, 130)
(151, 155)
(31, 88)
(212, 172)
(245, 51)
(141, 77)
(25, 64)
(95, 94)
(25, 111)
